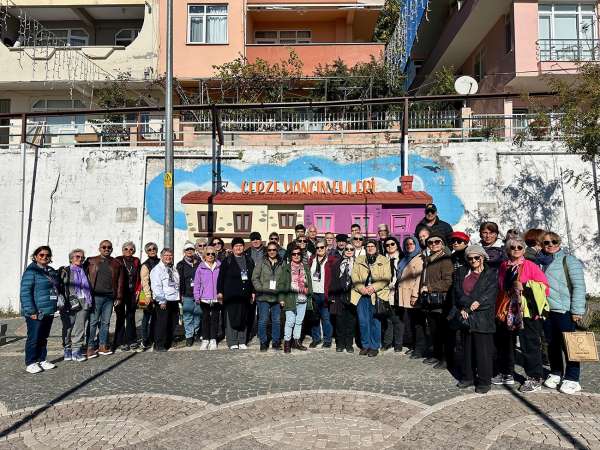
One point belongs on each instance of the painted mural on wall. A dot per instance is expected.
(428, 175)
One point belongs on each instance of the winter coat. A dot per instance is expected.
(187, 274)
(562, 298)
(261, 280)
(132, 279)
(408, 282)
(438, 273)
(381, 275)
(482, 320)
(119, 282)
(39, 291)
(284, 288)
(237, 294)
(205, 281)
(439, 226)
(68, 288)
(331, 260)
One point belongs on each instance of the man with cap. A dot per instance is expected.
(433, 221)
(256, 251)
(341, 240)
(383, 232)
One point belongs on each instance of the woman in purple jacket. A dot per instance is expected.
(205, 293)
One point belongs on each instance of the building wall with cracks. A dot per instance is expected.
(83, 195)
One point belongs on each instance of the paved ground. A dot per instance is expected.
(186, 398)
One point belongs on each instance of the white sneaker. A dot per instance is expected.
(204, 345)
(212, 345)
(33, 368)
(552, 381)
(47, 365)
(243, 347)
(233, 347)
(569, 387)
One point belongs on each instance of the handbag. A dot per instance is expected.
(74, 303)
(457, 322)
(581, 346)
(143, 301)
(432, 300)
(382, 308)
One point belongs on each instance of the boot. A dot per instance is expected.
(298, 345)
(287, 346)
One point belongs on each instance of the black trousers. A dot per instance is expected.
(394, 327)
(210, 320)
(251, 322)
(438, 331)
(125, 329)
(530, 339)
(345, 326)
(506, 342)
(165, 324)
(418, 325)
(478, 357)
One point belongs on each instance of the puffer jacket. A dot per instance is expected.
(262, 275)
(205, 281)
(39, 291)
(561, 299)
(381, 274)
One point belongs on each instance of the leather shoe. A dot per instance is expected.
(264, 347)
(339, 349)
(372, 353)
(364, 352)
(441, 365)
(327, 345)
(482, 389)
(416, 356)
(276, 346)
(350, 349)
(431, 361)
(298, 345)
(464, 384)
(314, 344)
(287, 347)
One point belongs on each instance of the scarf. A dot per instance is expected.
(152, 262)
(319, 266)
(189, 260)
(408, 256)
(371, 259)
(298, 281)
(80, 282)
(346, 271)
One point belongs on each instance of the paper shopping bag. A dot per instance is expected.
(581, 346)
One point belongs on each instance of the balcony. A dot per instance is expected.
(314, 54)
(568, 50)
(76, 41)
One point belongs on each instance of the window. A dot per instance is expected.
(242, 222)
(207, 24)
(72, 37)
(61, 124)
(126, 37)
(323, 222)
(365, 222)
(508, 39)
(479, 65)
(4, 123)
(204, 225)
(283, 37)
(287, 220)
(567, 32)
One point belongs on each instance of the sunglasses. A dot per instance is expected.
(104, 247)
(473, 258)
(516, 247)
(216, 243)
(457, 241)
(153, 249)
(434, 242)
(553, 242)
(274, 238)
(391, 244)
(127, 249)
(189, 250)
(531, 242)
(296, 253)
(43, 255)
(271, 249)
(320, 247)
(301, 241)
(209, 254)
(349, 249)
(359, 239)
(200, 245)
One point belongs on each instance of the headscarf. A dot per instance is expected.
(371, 258)
(80, 282)
(408, 256)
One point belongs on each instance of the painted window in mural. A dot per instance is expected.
(242, 222)
(323, 222)
(203, 221)
(287, 220)
(400, 224)
(365, 221)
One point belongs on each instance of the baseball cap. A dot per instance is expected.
(431, 207)
(188, 245)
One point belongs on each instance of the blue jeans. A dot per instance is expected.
(554, 326)
(369, 325)
(266, 309)
(38, 331)
(100, 318)
(325, 319)
(192, 316)
(293, 321)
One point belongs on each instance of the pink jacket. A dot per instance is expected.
(529, 271)
(205, 282)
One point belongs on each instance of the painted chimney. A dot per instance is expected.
(406, 184)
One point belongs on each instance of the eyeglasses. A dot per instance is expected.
(128, 249)
(457, 241)
(77, 256)
(320, 247)
(271, 249)
(516, 247)
(371, 246)
(553, 242)
(152, 249)
(209, 254)
(391, 244)
(434, 242)
(106, 247)
(296, 253)
(216, 243)
(358, 239)
(473, 258)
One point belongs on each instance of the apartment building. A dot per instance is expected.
(507, 45)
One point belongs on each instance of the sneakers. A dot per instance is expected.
(233, 347)
(243, 347)
(500, 379)
(47, 365)
(204, 345)
(212, 344)
(124, 348)
(570, 387)
(91, 353)
(552, 381)
(104, 350)
(78, 356)
(33, 368)
(276, 346)
(68, 354)
(530, 385)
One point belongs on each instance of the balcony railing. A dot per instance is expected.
(569, 49)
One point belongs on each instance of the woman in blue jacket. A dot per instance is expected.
(39, 297)
(567, 306)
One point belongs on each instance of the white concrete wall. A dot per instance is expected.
(84, 195)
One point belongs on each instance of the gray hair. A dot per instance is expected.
(516, 240)
(129, 244)
(321, 241)
(166, 250)
(75, 250)
(149, 245)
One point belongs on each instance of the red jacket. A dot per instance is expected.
(328, 266)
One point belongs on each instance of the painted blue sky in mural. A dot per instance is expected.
(429, 176)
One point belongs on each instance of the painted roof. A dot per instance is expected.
(237, 198)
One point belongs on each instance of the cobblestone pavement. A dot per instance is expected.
(186, 398)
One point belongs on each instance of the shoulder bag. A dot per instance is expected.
(430, 300)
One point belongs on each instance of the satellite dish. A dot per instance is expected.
(466, 85)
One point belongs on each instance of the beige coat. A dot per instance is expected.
(408, 285)
(381, 274)
(145, 279)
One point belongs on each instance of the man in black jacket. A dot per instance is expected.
(433, 221)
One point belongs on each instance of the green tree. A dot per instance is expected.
(387, 20)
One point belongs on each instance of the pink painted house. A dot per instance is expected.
(507, 45)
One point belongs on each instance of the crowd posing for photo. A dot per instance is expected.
(435, 296)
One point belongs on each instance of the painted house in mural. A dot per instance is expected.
(238, 213)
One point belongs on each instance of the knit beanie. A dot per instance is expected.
(237, 240)
(476, 250)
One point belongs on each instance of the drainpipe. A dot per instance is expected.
(596, 192)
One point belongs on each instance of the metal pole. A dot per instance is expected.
(405, 123)
(169, 229)
(596, 193)
(23, 170)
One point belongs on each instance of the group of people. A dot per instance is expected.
(419, 297)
